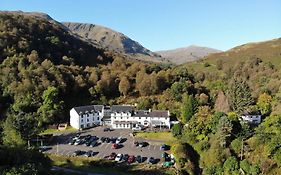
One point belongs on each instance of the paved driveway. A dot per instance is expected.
(104, 149)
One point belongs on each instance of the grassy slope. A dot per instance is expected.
(267, 51)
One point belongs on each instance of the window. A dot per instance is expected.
(87, 120)
(114, 117)
(98, 118)
(82, 126)
(139, 117)
(127, 125)
(81, 120)
(127, 117)
(145, 117)
(121, 117)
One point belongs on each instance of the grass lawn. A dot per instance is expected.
(161, 136)
(53, 131)
(95, 165)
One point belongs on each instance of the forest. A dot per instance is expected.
(45, 71)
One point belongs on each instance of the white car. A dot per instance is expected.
(118, 158)
(118, 140)
(77, 142)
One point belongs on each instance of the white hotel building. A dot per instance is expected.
(118, 117)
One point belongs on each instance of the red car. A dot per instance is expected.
(114, 146)
(131, 159)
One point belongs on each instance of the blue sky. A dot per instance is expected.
(169, 24)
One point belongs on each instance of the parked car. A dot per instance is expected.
(94, 143)
(115, 146)
(142, 144)
(88, 142)
(119, 140)
(118, 158)
(107, 140)
(125, 157)
(136, 143)
(151, 160)
(164, 147)
(131, 159)
(78, 142)
(71, 142)
(102, 139)
(88, 153)
(167, 164)
(107, 129)
(111, 156)
(78, 153)
(113, 139)
(139, 159)
(137, 129)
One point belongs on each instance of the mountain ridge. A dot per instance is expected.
(187, 54)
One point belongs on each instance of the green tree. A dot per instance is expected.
(224, 130)
(239, 94)
(264, 103)
(231, 166)
(177, 129)
(188, 107)
(51, 107)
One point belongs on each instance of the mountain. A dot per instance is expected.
(187, 54)
(113, 41)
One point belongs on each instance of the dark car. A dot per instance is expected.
(71, 142)
(139, 159)
(142, 144)
(94, 143)
(136, 143)
(113, 139)
(107, 129)
(87, 137)
(131, 159)
(107, 140)
(88, 153)
(78, 153)
(164, 147)
(102, 139)
(125, 157)
(151, 160)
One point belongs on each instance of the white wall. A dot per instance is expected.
(74, 119)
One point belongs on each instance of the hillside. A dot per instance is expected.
(267, 51)
(23, 32)
(113, 41)
(187, 54)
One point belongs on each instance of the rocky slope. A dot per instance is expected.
(112, 40)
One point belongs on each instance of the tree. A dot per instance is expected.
(124, 86)
(264, 103)
(178, 88)
(231, 166)
(188, 107)
(240, 95)
(51, 107)
(177, 129)
(224, 130)
(19, 127)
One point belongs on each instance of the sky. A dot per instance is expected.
(169, 24)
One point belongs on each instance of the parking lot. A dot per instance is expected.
(103, 149)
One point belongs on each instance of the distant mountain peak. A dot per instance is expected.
(187, 54)
(112, 40)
